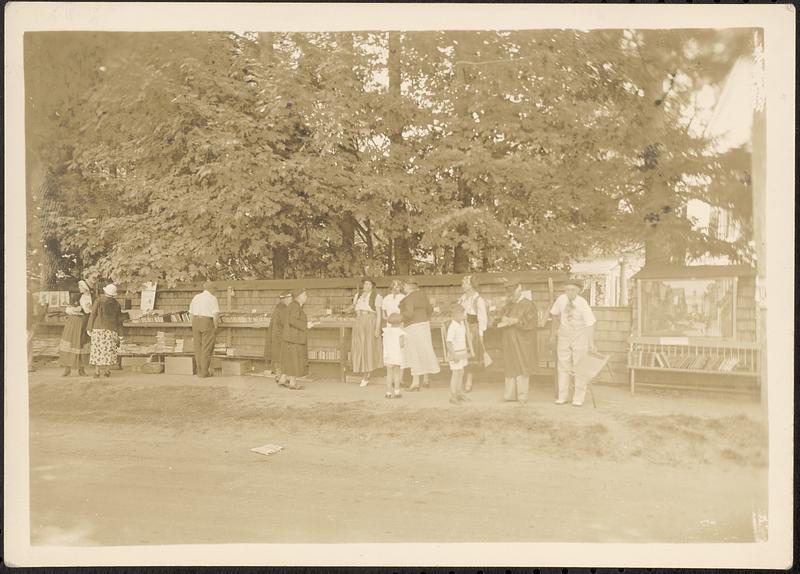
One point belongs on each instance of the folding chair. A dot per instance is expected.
(589, 367)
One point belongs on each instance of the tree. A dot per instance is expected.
(244, 156)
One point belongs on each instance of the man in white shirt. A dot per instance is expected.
(204, 310)
(575, 339)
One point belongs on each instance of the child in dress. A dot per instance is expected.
(393, 355)
(457, 352)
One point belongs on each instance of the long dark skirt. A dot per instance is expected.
(73, 350)
(476, 344)
(294, 359)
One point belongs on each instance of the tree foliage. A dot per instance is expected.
(177, 156)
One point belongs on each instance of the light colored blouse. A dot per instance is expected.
(361, 302)
(391, 304)
(474, 304)
(86, 302)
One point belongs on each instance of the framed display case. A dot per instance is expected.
(695, 327)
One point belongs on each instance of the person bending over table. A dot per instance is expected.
(204, 310)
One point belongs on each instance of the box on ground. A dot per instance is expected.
(179, 365)
(236, 367)
(133, 363)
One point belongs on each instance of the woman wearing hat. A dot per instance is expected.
(518, 324)
(420, 357)
(365, 345)
(274, 342)
(86, 297)
(294, 348)
(575, 339)
(105, 329)
(73, 349)
(476, 324)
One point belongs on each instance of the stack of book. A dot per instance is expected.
(152, 317)
(165, 342)
(239, 318)
(46, 347)
(220, 349)
(684, 361)
(136, 349)
(179, 345)
(178, 317)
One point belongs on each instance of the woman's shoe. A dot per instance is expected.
(455, 401)
(106, 373)
(65, 372)
(364, 382)
(398, 395)
(81, 373)
(295, 387)
(414, 388)
(388, 396)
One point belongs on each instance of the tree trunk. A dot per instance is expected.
(401, 243)
(347, 227)
(280, 253)
(460, 254)
(280, 261)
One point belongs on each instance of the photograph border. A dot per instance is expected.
(778, 22)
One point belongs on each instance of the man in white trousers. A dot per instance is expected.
(575, 339)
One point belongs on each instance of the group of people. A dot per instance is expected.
(92, 332)
(394, 331)
(287, 339)
(391, 331)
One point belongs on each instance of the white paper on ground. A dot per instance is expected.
(267, 449)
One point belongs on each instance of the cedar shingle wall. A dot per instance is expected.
(614, 324)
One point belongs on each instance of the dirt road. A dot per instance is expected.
(166, 460)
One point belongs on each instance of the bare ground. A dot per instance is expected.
(158, 459)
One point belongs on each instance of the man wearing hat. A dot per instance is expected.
(204, 310)
(518, 324)
(575, 339)
(274, 342)
(294, 348)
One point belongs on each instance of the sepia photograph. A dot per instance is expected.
(379, 282)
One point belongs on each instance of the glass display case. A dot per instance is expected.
(695, 328)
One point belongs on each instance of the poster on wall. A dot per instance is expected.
(148, 296)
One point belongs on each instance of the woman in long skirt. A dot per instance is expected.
(420, 356)
(105, 329)
(366, 345)
(294, 351)
(476, 323)
(73, 350)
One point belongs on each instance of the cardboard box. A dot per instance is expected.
(133, 363)
(236, 367)
(179, 365)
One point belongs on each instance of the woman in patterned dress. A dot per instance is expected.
(105, 330)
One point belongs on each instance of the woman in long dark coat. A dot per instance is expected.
(519, 325)
(294, 352)
(274, 343)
